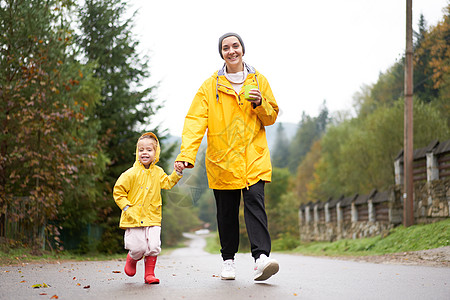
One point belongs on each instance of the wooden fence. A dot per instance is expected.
(15, 225)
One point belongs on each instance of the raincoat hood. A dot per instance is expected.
(157, 151)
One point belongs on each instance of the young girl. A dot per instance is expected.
(138, 194)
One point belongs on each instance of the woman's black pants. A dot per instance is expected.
(227, 204)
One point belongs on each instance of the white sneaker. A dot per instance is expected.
(228, 270)
(265, 267)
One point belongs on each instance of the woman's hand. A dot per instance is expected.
(256, 97)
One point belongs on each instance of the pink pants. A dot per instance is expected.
(143, 241)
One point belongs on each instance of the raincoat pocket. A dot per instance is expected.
(257, 153)
(217, 148)
(130, 216)
(155, 212)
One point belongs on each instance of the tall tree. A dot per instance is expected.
(126, 106)
(423, 83)
(78, 209)
(41, 114)
(435, 45)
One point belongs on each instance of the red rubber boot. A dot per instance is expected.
(149, 277)
(130, 266)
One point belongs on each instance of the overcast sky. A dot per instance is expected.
(310, 51)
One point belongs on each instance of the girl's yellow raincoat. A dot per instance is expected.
(237, 155)
(140, 189)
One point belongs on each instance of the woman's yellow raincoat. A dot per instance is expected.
(140, 189)
(237, 155)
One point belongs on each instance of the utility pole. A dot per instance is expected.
(408, 193)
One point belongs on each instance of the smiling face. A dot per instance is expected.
(146, 151)
(232, 53)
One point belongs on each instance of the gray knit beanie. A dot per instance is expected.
(228, 35)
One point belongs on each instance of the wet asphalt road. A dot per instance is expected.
(191, 273)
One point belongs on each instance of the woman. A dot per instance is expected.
(237, 157)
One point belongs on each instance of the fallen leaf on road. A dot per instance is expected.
(78, 284)
(23, 281)
(54, 297)
(87, 287)
(74, 278)
(43, 285)
(116, 272)
(42, 294)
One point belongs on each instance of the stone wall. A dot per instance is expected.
(431, 201)
(349, 218)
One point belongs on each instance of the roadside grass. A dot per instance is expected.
(14, 256)
(212, 243)
(21, 255)
(399, 239)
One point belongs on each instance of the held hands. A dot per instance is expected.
(179, 166)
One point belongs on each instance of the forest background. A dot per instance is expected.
(72, 108)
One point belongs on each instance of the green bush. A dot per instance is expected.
(285, 242)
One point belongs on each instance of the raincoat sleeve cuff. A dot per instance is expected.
(266, 112)
(182, 157)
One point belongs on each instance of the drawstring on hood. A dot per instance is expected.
(221, 72)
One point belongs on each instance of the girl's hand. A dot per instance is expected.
(179, 166)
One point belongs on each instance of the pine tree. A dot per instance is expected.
(125, 107)
(124, 110)
(423, 83)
